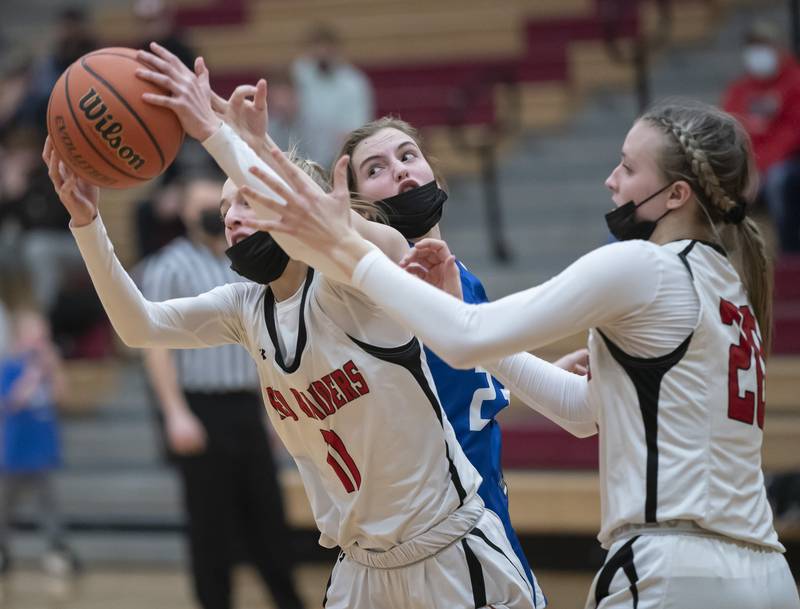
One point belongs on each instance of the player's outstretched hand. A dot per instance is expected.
(190, 93)
(576, 362)
(246, 112)
(77, 195)
(431, 261)
(319, 223)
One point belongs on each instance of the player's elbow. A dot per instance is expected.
(462, 355)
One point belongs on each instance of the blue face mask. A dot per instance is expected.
(622, 222)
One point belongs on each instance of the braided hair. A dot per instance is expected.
(710, 150)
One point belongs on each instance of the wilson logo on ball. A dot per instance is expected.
(96, 111)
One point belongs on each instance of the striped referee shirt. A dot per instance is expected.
(184, 269)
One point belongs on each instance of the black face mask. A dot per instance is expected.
(258, 258)
(415, 211)
(622, 222)
(211, 223)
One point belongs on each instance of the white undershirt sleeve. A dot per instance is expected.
(602, 287)
(555, 393)
(184, 323)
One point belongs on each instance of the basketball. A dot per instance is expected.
(101, 127)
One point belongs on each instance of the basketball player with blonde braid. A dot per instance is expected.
(679, 314)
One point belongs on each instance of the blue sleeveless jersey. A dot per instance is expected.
(472, 399)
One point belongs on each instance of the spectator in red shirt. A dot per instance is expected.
(767, 102)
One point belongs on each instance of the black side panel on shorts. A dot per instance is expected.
(646, 375)
(302, 336)
(330, 579)
(479, 533)
(409, 356)
(475, 576)
(622, 559)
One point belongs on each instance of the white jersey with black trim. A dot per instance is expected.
(379, 460)
(681, 433)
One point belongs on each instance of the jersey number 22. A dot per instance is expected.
(740, 358)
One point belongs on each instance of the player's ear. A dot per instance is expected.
(679, 194)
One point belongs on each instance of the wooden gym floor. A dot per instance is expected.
(138, 588)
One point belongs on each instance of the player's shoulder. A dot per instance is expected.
(633, 253)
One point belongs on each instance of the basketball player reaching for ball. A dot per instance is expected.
(677, 355)
(348, 392)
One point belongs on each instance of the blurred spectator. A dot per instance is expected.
(73, 38)
(335, 96)
(156, 19)
(284, 117)
(35, 241)
(215, 422)
(31, 383)
(40, 223)
(767, 101)
(158, 218)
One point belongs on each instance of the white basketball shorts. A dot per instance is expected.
(692, 571)
(460, 563)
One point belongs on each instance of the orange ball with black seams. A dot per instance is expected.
(101, 127)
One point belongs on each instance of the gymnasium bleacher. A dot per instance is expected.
(552, 52)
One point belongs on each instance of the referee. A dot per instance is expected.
(215, 421)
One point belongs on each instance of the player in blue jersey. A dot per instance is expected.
(388, 168)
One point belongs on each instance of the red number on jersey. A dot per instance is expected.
(339, 459)
(743, 408)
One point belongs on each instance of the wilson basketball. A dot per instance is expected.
(101, 127)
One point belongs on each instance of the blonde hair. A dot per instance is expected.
(710, 150)
(370, 210)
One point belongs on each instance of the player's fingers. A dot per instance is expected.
(296, 177)
(66, 191)
(164, 101)
(65, 172)
(218, 104)
(53, 173)
(241, 93)
(260, 96)
(201, 70)
(581, 370)
(340, 187)
(155, 62)
(256, 198)
(48, 146)
(157, 78)
(276, 185)
(431, 244)
(168, 57)
(267, 226)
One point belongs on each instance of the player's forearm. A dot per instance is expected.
(464, 335)
(138, 322)
(601, 288)
(557, 394)
(163, 376)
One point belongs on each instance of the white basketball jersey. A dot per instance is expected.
(681, 434)
(378, 458)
